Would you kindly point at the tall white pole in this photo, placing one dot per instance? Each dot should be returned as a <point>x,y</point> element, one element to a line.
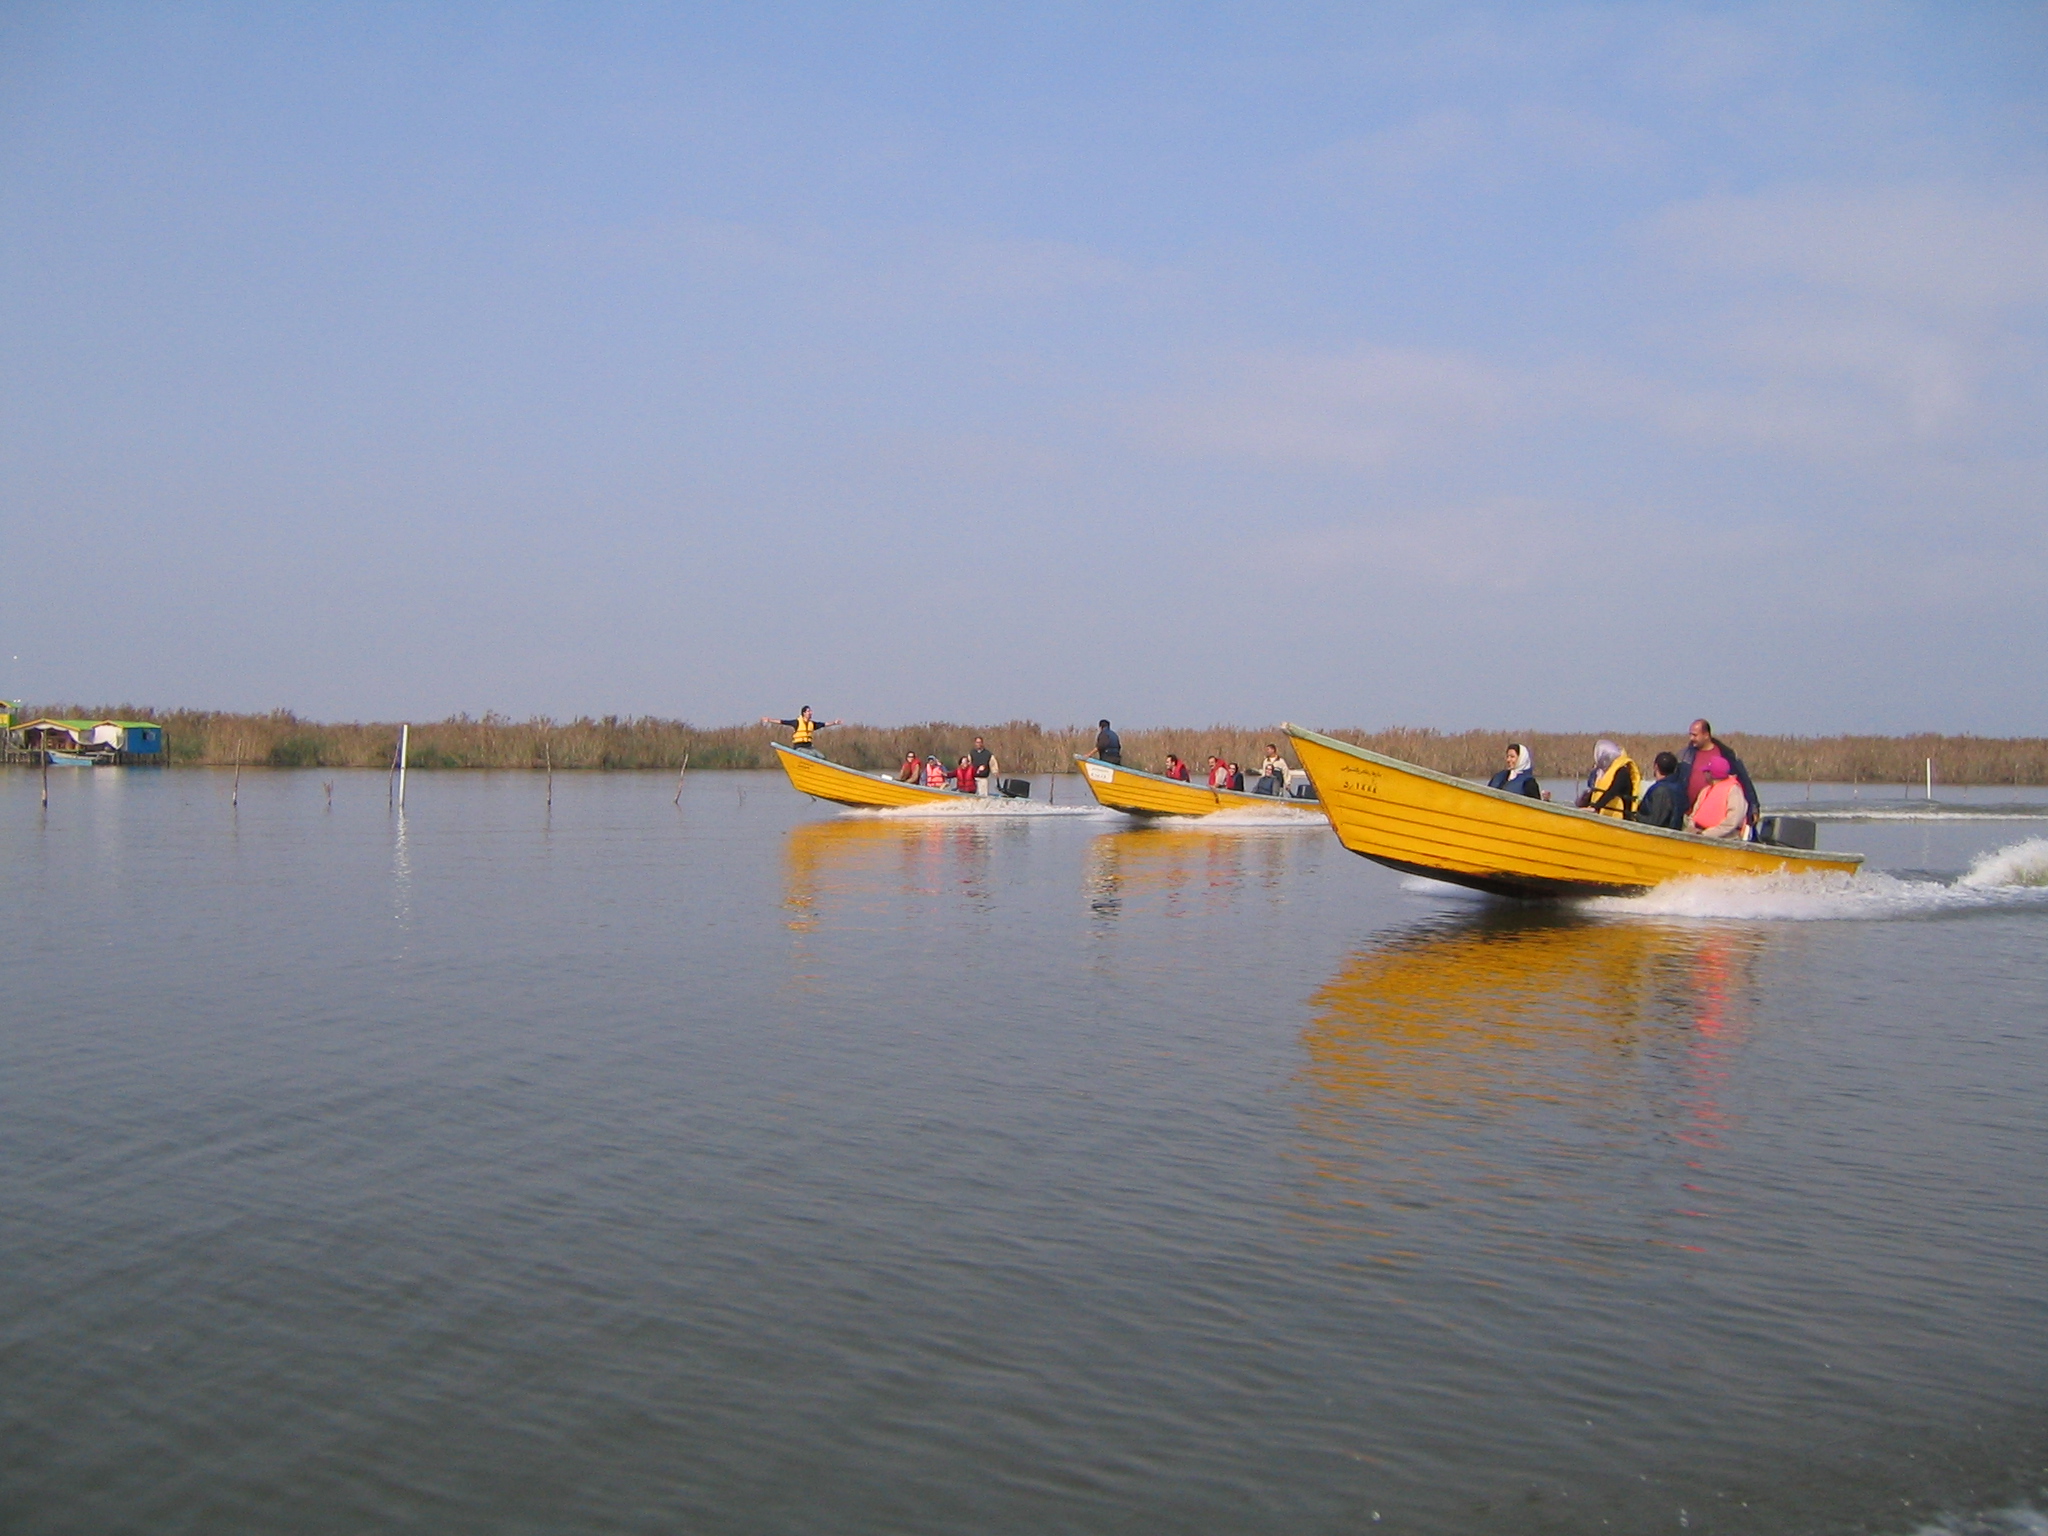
<point>1930,778</point>
<point>404,735</point>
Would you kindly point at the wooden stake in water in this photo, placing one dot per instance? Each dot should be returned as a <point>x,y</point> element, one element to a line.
<point>46,776</point>
<point>1930,778</point>
<point>679,779</point>
<point>235,799</point>
<point>547,749</point>
<point>404,739</point>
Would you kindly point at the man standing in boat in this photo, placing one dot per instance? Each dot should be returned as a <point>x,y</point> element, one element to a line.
<point>1700,744</point>
<point>984,764</point>
<point>803,729</point>
<point>1108,745</point>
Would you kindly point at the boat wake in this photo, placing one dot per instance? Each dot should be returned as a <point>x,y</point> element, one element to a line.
<point>954,810</point>
<point>1284,817</point>
<point>2012,877</point>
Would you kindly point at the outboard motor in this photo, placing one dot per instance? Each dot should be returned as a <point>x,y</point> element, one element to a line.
<point>1014,789</point>
<point>1788,832</point>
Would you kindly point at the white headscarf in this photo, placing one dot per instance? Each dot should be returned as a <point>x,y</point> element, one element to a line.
<point>1524,761</point>
<point>1604,752</point>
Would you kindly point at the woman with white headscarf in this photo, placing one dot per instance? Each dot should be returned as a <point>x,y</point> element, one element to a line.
<point>1612,785</point>
<point>1518,777</point>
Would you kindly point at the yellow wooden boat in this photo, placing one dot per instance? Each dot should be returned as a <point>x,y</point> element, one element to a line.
<point>853,786</point>
<point>1154,794</point>
<point>1428,823</point>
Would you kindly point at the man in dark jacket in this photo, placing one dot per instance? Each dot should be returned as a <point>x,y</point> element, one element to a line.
<point>1108,745</point>
<point>1663,803</point>
<point>1701,742</point>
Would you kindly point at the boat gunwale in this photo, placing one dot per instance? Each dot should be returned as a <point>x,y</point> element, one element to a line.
<point>1851,861</point>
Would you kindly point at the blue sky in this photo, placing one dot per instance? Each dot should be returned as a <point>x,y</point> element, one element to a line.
<point>1570,367</point>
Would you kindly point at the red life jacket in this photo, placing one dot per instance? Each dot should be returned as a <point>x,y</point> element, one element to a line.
<point>935,775</point>
<point>966,779</point>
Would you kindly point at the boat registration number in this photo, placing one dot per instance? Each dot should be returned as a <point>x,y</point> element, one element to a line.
<point>1101,773</point>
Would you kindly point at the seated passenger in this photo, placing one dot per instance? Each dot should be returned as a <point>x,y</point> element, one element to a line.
<point>963,776</point>
<point>1272,773</point>
<point>1663,803</point>
<point>1236,779</point>
<point>1176,769</point>
<point>1722,809</point>
<point>911,768</point>
<point>1518,776</point>
<point>1611,786</point>
<point>934,773</point>
<point>1219,777</point>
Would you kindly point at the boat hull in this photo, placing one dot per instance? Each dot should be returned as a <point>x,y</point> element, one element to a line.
<point>851,786</point>
<point>1427,823</point>
<point>1153,794</point>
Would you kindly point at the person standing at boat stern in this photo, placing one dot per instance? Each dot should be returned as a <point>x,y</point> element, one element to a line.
<point>1611,786</point>
<point>1272,772</point>
<point>985,766</point>
<point>803,730</point>
<point>1700,744</point>
<point>1108,745</point>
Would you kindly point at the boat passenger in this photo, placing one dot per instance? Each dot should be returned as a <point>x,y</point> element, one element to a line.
<point>1176,769</point>
<point>1663,803</point>
<point>1701,741</point>
<point>1722,810</point>
<point>1108,745</point>
<point>985,766</point>
<point>1219,776</point>
<point>803,729</point>
<point>1272,772</point>
<point>1236,779</point>
<point>963,775</point>
<point>1611,786</point>
<point>934,773</point>
<point>1518,776</point>
<point>912,768</point>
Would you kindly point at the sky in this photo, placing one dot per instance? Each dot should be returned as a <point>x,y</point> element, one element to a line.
<point>1563,367</point>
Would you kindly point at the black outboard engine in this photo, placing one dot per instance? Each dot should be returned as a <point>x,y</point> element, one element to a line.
<point>1014,789</point>
<point>1788,832</point>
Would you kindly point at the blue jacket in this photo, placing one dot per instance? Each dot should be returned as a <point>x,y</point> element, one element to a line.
<point>1520,784</point>
<point>1663,804</point>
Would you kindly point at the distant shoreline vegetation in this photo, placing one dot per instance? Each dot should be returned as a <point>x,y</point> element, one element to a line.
<point>281,739</point>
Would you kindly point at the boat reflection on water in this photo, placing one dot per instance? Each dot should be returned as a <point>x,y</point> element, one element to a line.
<point>876,869</point>
<point>1557,1081</point>
<point>1182,872</point>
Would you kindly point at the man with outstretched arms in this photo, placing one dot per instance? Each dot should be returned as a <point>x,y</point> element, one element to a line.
<point>803,729</point>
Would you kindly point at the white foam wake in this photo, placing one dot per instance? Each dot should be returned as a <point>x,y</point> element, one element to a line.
<point>2011,877</point>
<point>993,805</point>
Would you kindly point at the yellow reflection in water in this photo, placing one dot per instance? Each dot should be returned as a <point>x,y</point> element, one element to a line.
<point>1515,1063</point>
<point>872,868</point>
<point>1182,872</point>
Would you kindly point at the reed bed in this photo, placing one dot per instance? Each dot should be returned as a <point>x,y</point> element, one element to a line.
<point>281,739</point>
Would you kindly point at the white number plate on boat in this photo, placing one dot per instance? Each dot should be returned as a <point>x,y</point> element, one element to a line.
<point>1101,773</point>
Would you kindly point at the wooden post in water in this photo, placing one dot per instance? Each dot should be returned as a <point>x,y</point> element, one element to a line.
<point>235,799</point>
<point>548,754</point>
<point>46,773</point>
<point>1930,779</point>
<point>679,780</point>
<point>404,739</point>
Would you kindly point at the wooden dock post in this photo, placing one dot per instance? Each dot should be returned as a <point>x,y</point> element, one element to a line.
<point>679,780</point>
<point>404,740</point>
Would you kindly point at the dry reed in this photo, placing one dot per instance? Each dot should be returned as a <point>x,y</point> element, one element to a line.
<point>280,739</point>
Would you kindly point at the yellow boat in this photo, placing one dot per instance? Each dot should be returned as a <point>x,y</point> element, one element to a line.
<point>1428,823</point>
<point>852,786</point>
<point>1154,794</point>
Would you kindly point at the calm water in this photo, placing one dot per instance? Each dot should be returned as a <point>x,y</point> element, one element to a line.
<point>749,1167</point>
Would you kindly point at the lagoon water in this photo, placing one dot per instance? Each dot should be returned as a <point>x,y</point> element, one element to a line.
<point>748,1166</point>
